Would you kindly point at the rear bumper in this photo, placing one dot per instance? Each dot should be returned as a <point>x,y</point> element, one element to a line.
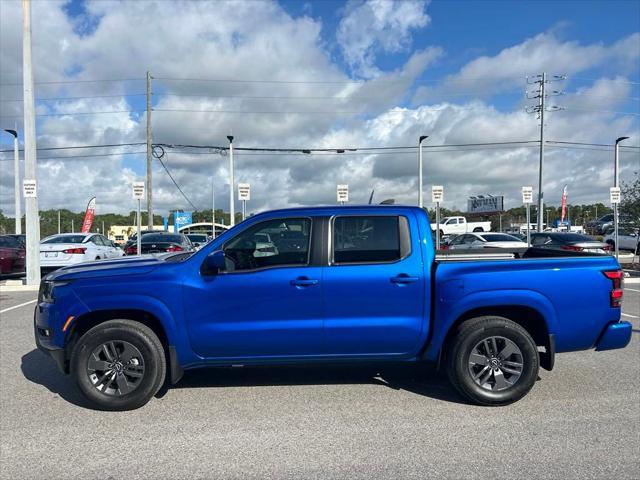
<point>615,335</point>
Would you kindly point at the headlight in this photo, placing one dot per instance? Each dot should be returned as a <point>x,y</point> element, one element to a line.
<point>47,290</point>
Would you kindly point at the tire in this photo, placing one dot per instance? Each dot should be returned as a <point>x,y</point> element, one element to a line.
<point>494,391</point>
<point>478,229</point>
<point>119,365</point>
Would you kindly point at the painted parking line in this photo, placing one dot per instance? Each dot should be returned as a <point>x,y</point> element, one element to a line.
<point>631,289</point>
<point>18,306</point>
<point>629,315</point>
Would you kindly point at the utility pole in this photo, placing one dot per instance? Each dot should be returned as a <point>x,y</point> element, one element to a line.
<point>213,204</point>
<point>420,180</point>
<point>149,156</point>
<point>232,212</point>
<point>58,222</point>
<point>31,202</point>
<point>616,176</point>
<point>16,179</point>
<point>541,94</point>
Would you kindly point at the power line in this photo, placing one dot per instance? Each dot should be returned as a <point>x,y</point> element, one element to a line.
<point>82,156</point>
<point>73,147</point>
<point>71,114</point>
<point>81,97</point>
<point>159,157</point>
<point>603,111</point>
<point>62,82</point>
<point>609,79</point>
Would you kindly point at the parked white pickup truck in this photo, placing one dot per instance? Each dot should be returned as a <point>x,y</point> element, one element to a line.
<point>459,225</point>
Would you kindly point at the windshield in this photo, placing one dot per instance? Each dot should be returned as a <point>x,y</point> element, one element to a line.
<point>197,238</point>
<point>65,239</point>
<point>499,237</point>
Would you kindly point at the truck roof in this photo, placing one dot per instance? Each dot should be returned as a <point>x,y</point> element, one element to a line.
<point>331,209</point>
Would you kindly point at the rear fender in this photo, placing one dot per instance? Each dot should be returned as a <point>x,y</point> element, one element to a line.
<point>447,313</point>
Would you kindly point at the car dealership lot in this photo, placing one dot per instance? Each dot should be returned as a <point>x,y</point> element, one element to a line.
<point>579,421</point>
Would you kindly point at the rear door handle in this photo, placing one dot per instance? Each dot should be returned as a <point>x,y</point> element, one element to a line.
<point>403,279</point>
<point>304,282</point>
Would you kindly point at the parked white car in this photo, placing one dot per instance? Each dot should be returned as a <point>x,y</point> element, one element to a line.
<point>628,239</point>
<point>459,225</point>
<point>485,240</point>
<point>70,248</point>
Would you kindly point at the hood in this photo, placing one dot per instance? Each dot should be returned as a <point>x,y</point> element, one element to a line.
<point>109,268</point>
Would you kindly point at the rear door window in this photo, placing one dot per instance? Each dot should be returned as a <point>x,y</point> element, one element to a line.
<point>370,239</point>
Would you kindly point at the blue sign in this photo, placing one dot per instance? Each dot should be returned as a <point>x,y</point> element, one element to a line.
<point>180,219</point>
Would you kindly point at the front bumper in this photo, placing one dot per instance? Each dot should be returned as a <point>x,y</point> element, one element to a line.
<point>42,335</point>
<point>615,335</point>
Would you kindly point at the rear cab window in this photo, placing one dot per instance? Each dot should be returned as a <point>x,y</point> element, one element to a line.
<point>369,239</point>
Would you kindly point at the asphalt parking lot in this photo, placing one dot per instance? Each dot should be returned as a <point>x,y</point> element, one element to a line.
<point>580,421</point>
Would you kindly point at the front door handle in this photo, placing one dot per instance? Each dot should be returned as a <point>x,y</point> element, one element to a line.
<point>302,282</point>
<point>403,279</point>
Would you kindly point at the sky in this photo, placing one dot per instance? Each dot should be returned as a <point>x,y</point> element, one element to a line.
<point>323,74</point>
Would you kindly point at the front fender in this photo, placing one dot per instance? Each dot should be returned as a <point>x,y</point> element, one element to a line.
<point>448,312</point>
<point>151,305</point>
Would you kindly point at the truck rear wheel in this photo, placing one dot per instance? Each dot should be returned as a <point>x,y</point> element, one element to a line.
<point>478,229</point>
<point>492,361</point>
<point>119,365</point>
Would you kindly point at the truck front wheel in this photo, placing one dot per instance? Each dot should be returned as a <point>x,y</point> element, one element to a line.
<point>492,361</point>
<point>119,365</point>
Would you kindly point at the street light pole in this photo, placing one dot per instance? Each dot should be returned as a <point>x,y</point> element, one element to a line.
<point>420,193</point>
<point>30,169</point>
<point>232,212</point>
<point>16,180</point>
<point>616,173</point>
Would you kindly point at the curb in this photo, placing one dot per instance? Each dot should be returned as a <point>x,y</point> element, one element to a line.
<point>18,288</point>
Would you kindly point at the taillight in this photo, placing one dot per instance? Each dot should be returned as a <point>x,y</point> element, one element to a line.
<point>175,248</point>
<point>616,277</point>
<point>78,251</point>
<point>131,250</point>
<point>571,248</point>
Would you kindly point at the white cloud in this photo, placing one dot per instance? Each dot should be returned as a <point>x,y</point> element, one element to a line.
<point>371,27</point>
<point>259,40</point>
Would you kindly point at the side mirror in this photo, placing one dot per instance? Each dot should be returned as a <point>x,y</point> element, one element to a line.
<point>214,263</point>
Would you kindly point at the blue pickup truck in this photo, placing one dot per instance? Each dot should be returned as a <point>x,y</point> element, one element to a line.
<point>327,284</point>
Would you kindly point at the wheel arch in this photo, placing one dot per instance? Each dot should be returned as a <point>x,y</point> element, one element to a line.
<point>529,318</point>
<point>89,320</point>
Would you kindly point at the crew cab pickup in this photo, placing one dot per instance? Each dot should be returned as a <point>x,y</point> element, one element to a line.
<point>341,284</point>
<point>459,225</point>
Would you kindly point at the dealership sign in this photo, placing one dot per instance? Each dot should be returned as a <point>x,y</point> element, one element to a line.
<point>181,219</point>
<point>485,204</point>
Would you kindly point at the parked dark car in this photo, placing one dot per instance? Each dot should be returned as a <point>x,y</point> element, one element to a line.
<point>12,255</point>
<point>161,243</point>
<point>134,238</point>
<point>21,238</point>
<point>602,225</point>
<point>568,241</point>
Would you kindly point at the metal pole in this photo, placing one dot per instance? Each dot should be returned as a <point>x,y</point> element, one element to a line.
<point>103,230</point>
<point>528,224</point>
<point>500,221</point>
<point>540,192</point>
<point>139,234</point>
<point>16,179</point>
<point>72,227</point>
<point>616,173</point>
<point>213,206</point>
<point>30,169</point>
<point>149,156</point>
<point>58,221</point>
<point>420,181</point>
<point>437,225</point>
<point>232,210</point>
<point>244,209</point>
